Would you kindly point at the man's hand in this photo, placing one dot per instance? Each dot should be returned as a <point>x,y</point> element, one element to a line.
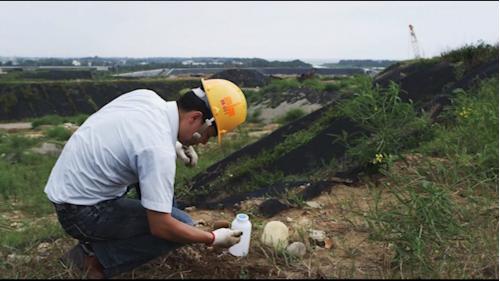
<point>187,154</point>
<point>225,237</point>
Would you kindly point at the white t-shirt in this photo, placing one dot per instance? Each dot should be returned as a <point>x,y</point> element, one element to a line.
<point>131,139</point>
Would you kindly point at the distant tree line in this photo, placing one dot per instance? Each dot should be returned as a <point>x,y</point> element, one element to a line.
<point>130,64</point>
<point>362,63</point>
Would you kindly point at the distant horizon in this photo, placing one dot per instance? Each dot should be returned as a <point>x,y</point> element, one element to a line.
<point>332,60</point>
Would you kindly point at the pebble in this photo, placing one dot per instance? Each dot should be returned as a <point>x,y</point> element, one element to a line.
<point>318,237</point>
<point>328,243</point>
<point>296,249</point>
<point>275,234</point>
<point>221,224</point>
<point>313,204</point>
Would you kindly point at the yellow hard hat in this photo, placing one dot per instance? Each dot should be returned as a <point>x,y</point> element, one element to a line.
<point>227,103</point>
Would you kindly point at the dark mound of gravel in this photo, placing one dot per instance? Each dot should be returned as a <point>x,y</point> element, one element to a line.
<point>243,77</point>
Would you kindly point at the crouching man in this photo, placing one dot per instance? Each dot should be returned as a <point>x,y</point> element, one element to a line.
<point>136,138</point>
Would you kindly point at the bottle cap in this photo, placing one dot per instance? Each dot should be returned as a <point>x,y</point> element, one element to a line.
<point>242,217</point>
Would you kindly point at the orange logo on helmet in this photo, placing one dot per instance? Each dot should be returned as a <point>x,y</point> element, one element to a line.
<point>228,106</point>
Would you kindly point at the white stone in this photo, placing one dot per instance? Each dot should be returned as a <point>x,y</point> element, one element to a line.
<point>296,249</point>
<point>317,235</point>
<point>48,148</point>
<point>43,247</point>
<point>313,204</point>
<point>70,126</point>
<point>13,258</point>
<point>275,234</point>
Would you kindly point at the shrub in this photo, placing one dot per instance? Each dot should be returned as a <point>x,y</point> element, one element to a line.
<point>472,54</point>
<point>392,125</point>
<point>255,116</point>
<point>46,120</point>
<point>315,84</point>
<point>470,136</point>
<point>331,87</point>
<point>418,225</point>
<point>59,133</point>
<point>278,86</point>
<point>13,147</point>
<point>291,115</point>
<point>57,120</point>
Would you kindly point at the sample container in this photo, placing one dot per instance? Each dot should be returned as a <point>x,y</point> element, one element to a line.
<point>241,222</point>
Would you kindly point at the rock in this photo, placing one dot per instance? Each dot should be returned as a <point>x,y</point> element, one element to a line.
<point>200,222</point>
<point>271,207</point>
<point>190,209</point>
<point>296,249</point>
<point>318,237</point>
<point>13,259</point>
<point>16,224</point>
<point>48,149</point>
<point>313,204</point>
<point>328,243</point>
<point>43,248</point>
<point>289,219</point>
<point>275,234</point>
<point>221,224</point>
<point>71,127</point>
<point>304,222</point>
<point>243,77</point>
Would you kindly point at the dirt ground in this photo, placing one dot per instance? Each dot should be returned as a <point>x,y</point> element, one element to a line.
<point>340,215</point>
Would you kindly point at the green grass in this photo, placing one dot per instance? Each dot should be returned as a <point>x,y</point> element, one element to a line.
<point>443,222</point>
<point>470,133</point>
<point>422,221</point>
<point>32,231</point>
<point>391,124</point>
<point>291,115</point>
<point>58,133</point>
<point>472,54</point>
<point>58,120</point>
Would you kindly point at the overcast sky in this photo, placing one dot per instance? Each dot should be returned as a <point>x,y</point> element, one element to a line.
<point>271,30</point>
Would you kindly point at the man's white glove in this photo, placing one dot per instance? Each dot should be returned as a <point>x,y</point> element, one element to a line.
<point>187,154</point>
<point>225,237</point>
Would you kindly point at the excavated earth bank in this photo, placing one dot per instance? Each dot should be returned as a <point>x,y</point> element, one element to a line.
<point>428,85</point>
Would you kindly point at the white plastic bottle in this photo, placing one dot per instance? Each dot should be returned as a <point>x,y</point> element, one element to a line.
<point>241,222</point>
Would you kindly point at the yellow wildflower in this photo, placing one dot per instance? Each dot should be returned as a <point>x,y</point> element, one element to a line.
<point>465,112</point>
<point>378,158</point>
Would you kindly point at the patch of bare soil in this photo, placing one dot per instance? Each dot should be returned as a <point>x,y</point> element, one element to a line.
<point>14,127</point>
<point>338,212</point>
<point>340,216</point>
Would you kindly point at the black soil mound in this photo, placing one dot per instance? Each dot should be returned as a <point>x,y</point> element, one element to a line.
<point>425,81</point>
<point>243,77</point>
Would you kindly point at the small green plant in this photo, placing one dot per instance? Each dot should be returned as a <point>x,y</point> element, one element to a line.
<point>469,137</point>
<point>58,133</point>
<point>391,125</point>
<point>58,120</point>
<point>13,148</point>
<point>291,115</point>
<point>279,86</point>
<point>315,84</point>
<point>472,54</point>
<point>294,198</point>
<point>421,222</point>
<point>255,117</point>
<point>253,96</point>
<point>331,87</point>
